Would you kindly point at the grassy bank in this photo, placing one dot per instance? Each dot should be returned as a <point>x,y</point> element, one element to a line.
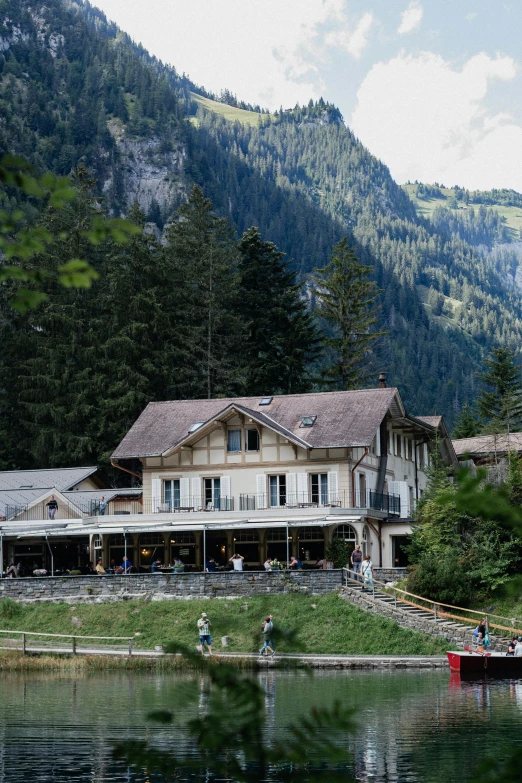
<point>322,624</point>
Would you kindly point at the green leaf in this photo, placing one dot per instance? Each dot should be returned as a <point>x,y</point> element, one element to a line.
<point>77,273</point>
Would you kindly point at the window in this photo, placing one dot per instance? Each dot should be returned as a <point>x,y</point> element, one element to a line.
<point>346,533</point>
<point>196,426</point>
<point>319,488</point>
<point>399,444</point>
<point>183,538</point>
<point>97,542</point>
<point>266,400</point>
<point>307,421</point>
<point>410,450</point>
<point>151,539</point>
<point>311,534</point>
<point>234,440</point>
<point>277,534</point>
<point>277,490</point>
<point>212,492</point>
<point>252,440</point>
<point>172,494</point>
<point>251,536</point>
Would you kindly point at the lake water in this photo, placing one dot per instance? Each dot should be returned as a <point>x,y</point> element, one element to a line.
<point>411,725</point>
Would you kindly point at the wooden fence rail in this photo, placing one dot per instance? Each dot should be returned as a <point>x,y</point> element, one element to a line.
<point>74,639</point>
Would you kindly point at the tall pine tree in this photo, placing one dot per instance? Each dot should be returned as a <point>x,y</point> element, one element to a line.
<point>201,247</point>
<point>282,339</point>
<point>346,303</point>
<point>500,402</point>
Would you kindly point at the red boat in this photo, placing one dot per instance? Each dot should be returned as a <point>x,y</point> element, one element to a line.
<point>494,664</point>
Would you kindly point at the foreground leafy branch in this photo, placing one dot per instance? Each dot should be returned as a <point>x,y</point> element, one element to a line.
<point>20,242</point>
<point>230,739</point>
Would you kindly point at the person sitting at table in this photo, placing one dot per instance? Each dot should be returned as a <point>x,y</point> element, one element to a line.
<point>100,570</point>
<point>295,564</point>
<point>126,565</point>
<point>210,565</point>
<point>155,566</point>
<point>178,566</point>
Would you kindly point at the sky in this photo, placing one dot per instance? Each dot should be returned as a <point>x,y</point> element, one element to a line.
<point>432,87</point>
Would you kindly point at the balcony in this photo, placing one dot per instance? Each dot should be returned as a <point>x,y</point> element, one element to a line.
<point>376,501</point>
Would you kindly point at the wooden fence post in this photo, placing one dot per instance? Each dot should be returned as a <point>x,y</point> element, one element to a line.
<point>130,647</point>
<point>74,645</point>
<point>23,644</point>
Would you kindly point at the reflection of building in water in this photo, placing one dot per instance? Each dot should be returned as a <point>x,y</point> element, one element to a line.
<point>267,680</point>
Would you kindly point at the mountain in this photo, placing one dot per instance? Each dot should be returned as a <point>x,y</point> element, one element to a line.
<point>75,89</point>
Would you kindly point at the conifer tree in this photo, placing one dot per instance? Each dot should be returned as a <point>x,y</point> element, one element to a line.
<point>346,302</point>
<point>201,247</point>
<point>467,424</point>
<point>500,402</point>
<point>514,479</point>
<point>281,338</point>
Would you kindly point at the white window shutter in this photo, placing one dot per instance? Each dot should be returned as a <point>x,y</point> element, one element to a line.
<point>291,489</point>
<point>184,492</point>
<point>224,484</point>
<point>333,487</point>
<point>261,491</point>
<point>378,443</point>
<point>302,487</point>
<point>156,495</point>
<point>426,460</point>
<point>196,493</point>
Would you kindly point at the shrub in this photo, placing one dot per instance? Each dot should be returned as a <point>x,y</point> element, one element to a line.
<point>339,551</point>
<point>444,578</point>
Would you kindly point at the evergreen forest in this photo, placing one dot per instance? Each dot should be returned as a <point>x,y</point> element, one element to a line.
<point>234,218</point>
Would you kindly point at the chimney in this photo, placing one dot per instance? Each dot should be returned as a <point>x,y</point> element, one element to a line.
<point>382,380</point>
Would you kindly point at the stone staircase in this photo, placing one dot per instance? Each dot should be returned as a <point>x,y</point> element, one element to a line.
<point>414,617</point>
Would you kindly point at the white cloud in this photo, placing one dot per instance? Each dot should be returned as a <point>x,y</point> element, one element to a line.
<point>429,121</point>
<point>410,18</point>
<point>267,52</point>
<point>353,42</point>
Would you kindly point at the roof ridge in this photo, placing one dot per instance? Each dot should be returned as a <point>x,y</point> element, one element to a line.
<point>275,396</point>
<point>41,470</point>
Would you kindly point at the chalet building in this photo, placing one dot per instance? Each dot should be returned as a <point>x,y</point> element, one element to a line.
<point>489,452</point>
<point>280,476</point>
<point>270,476</point>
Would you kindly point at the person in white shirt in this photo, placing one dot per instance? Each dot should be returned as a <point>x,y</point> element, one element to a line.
<point>268,564</point>
<point>518,647</point>
<point>237,561</point>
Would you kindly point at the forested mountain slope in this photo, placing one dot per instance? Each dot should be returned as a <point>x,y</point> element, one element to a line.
<point>74,89</point>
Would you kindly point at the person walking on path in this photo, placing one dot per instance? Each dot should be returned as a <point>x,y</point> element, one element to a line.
<point>367,573</point>
<point>237,561</point>
<point>204,634</point>
<point>356,560</point>
<point>52,507</point>
<point>268,629</point>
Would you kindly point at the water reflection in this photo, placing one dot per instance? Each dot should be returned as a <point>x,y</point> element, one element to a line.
<point>411,726</point>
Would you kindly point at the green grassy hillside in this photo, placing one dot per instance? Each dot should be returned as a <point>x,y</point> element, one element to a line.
<point>445,197</point>
<point>230,113</point>
<point>325,624</point>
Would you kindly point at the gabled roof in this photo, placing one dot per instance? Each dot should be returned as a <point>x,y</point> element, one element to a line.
<point>82,500</point>
<point>59,478</point>
<point>344,418</point>
<point>488,444</point>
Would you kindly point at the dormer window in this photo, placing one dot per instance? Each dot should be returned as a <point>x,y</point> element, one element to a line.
<point>307,421</point>
<point>266,400</point>
<point>196,426</point>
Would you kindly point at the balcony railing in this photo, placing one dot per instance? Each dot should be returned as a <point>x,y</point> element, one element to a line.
<point>378,501</point>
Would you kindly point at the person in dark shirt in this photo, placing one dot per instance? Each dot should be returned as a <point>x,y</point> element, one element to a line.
<point>511,646</point>
<point>52,507</point>
<point>210,565</point>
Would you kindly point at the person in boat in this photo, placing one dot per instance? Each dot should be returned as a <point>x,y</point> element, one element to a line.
<point>511,646</point>
<point>518,647</point>
<point>480,643</point>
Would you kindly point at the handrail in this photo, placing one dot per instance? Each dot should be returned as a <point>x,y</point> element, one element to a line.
<point>71,636</point>
<point>512,620</point>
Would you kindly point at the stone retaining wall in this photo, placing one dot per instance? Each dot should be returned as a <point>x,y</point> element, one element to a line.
<point>456,637</point>
<point>158,587</point>
<point>390,574</point>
